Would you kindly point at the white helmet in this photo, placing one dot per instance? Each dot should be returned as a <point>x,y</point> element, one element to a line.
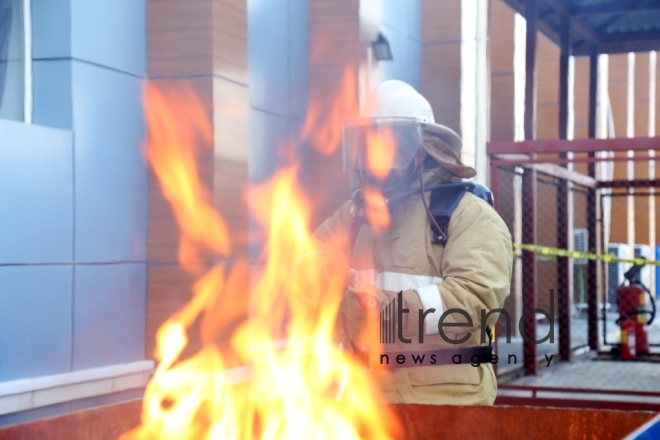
<point>394,98</point>
<point>400,116</point>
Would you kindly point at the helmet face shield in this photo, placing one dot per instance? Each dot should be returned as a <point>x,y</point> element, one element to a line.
<point>374,147</point>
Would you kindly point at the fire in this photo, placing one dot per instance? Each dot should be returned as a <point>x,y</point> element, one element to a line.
<point>323,122</point>
<point>381,149</point>
<point>270,366</point>
<point>376,210</point>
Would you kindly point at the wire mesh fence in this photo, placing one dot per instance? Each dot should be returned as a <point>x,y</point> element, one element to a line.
<point>575,298</point>
<point>571,294</point>
<point>630,233</point>
<point>549,212</point>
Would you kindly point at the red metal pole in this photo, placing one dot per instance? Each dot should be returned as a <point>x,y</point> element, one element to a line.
<point>564,219</point>
<point>592,213</point>
<point>529,191</point>
<point>529,184</point>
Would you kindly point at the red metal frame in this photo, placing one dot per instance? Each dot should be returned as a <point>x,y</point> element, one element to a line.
<point>560,147</point>
<point>560,160</point>
<point>529,188</point>
<point>535,400</point>
<point>624,184</point>
<point>536,389</point>
<point>575,145</point>
<point>577,403</point>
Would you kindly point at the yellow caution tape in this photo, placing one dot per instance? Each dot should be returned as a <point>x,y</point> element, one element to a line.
<point>556,252</point>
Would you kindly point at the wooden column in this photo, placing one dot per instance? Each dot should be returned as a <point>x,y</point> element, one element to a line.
<point>564,204</point>
<point>530,67</point>
<point>441,60</point>
<point>592,208</point>
<point>201,44</point>
<point>334,29</point>
<point>529,191</point>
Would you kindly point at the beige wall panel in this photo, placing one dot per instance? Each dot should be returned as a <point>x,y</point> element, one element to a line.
<point>657,104</point>
<point>179,37</point>
<point>642,97</point>
<point>231,120</point>
<point>618,90</point>
<point>441,82</point>
<point>168,290</point>
<point>547,121</point>
<point>547,92</point>
<point>333,10</point>
<point>581,106</point>
<point>203,44</point>
<point>501,71</point>
<point>501,37</point>
<point>441,20</point>
<point>334,46</point>
<point>581,97</point>
<point>231,179</point>
<point>501,112</point>
<point>641,130</point>
<point>230,59</point>
<point>441,60</point>
<point>162,231</point>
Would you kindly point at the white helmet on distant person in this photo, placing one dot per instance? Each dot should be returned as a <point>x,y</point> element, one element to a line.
<point>400,118</point>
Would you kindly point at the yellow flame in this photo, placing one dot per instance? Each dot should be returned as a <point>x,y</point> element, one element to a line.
<point>381,149</point>
<point>323,122</point>
<point>277,373</point>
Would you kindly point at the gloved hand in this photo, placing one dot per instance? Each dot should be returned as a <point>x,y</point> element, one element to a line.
<point>318,268</point>
<point>358,303</point>
<point>357,306</point>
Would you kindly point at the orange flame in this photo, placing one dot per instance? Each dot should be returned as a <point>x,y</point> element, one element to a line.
<point>323,123</point>
<point>376,210</point>
<point>202,227</point>
<point>278,373</point>
<point>322,128</point>
<point>381,149</point>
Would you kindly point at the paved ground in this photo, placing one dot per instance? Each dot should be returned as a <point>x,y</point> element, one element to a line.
<point>578,339</point>
<point>599,375</point>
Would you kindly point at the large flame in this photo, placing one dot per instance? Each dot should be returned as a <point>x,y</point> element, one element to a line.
<point>269,366</point>
<point>323,122</point>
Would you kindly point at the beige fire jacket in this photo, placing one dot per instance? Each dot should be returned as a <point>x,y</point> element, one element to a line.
<point>471,272</point>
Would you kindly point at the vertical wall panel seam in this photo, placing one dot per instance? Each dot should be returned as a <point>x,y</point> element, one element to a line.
<point>73,237</point>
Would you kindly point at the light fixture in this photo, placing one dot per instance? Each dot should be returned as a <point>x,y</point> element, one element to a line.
<point>382,50</point>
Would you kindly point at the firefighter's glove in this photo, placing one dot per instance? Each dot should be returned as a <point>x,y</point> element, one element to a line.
<point>357,303</point>
<point>315,269</point>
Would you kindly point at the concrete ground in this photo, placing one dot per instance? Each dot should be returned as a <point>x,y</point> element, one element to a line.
<point>599,375</point>
<point>579,338</point>
<point>585,372</point>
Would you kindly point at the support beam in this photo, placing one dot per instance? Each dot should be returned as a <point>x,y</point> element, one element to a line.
<point>529,191</point>
<point>618,7</point>
<point>544,146</point>
<point>543,27</point>
<point>564,203</point>
<point>593,90</point>
<point>531,14</point>
<point>564,55</point>
<point>549,169</point>
<point>640,44</point>
<point>592,208</point>
<point>577,23</point>
<point>625,184</point>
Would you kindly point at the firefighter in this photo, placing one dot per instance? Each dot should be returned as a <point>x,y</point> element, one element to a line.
<point>462,263</point>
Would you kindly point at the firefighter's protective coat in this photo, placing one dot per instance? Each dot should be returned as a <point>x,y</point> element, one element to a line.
<point>472,272</point>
